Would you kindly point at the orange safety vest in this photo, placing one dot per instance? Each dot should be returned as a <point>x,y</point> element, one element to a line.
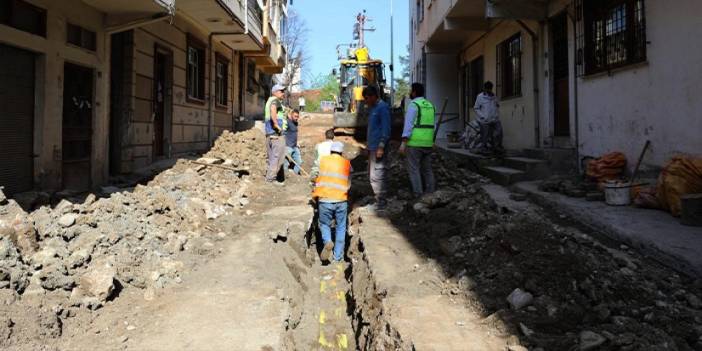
<point>333,179</point>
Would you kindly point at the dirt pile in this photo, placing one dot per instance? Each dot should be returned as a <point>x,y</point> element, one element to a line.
<point>542,277</point>
<point>57,262</point>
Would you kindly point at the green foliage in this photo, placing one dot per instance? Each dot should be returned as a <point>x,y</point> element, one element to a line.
<point>329,90</point>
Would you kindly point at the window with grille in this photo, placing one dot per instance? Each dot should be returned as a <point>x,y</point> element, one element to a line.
<point>23,16</point>
<point>81,37</point>
<point>195,79</point>
<point>509,67</point>
<point>611,34</point>
<point>222,81</point>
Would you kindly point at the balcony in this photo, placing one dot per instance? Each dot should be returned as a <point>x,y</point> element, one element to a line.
<point>255,18</point>
<point>272,58</point>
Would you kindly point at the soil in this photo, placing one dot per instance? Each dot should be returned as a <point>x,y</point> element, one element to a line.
<point>211,257</point>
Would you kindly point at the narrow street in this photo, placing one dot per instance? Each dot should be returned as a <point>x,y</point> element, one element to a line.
<point>432,275</point>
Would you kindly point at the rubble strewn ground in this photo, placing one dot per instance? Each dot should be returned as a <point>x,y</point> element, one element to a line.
<point>534,277</point>
<point>58,262</point>
<point>537,275</point>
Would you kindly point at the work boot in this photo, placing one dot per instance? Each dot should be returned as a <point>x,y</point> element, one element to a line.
<point>327,251</point>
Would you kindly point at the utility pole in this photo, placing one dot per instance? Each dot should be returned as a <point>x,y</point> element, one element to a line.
<point>392,59</point>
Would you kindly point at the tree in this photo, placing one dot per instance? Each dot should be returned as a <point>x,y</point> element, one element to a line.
<point>294,39</point>
<point>402,84</point>
<point>328,88</point>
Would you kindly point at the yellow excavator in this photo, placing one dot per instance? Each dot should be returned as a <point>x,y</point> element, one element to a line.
<point>358,70</point>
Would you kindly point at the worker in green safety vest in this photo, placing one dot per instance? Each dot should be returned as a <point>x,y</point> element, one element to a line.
<point>418,141</point>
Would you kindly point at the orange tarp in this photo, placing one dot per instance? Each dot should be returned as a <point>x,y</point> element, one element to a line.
<point>682,175</point>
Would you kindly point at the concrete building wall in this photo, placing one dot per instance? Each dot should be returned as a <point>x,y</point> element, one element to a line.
<point>191,120</point>
<point>516,113</point>
<point>52,53</point>
<point>442,83</point>
<point>656,100</point>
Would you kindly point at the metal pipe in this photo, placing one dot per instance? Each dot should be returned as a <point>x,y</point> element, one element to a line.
<point>137,23</point>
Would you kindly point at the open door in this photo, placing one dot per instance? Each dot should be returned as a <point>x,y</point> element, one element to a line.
<point>77,127</point>
<point>561,81</point>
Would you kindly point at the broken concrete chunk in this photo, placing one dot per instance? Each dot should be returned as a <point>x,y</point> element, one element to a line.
<point>590,340</point>
<point>56,277</point>
<point>89,200</point>
<point>519,299</point>
<point>694,301</point>
<point>78,258</point>
<point>3,198</point>
<point>99,281</point>
<point>68,220</point>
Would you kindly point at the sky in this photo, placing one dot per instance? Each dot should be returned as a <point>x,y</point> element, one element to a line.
<point>330,22</point>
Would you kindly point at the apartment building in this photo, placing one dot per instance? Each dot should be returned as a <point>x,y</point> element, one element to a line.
<point>590,75</point>
<point>93,88</point>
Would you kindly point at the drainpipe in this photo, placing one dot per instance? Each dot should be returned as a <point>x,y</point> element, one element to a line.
<point>535,54</point>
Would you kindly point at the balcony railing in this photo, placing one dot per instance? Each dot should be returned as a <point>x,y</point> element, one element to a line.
<point>255,16</point>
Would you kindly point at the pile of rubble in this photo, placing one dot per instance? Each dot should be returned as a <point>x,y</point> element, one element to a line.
<point>536,275</point>
<point>78,256</point>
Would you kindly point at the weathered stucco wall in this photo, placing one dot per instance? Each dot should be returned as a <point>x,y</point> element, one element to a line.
<point>659,100</point>
<point>190,119</point>
<point>52,53</point>
<point>442,82</point>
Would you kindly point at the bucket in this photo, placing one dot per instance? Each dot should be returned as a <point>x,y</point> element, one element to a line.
<point>617,194</point>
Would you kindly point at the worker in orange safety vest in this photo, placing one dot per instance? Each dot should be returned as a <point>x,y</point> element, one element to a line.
<point>331,192</point>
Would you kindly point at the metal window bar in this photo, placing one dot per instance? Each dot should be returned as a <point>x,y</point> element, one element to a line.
<point>509,67</point>
<point>222,79</point>
<point>193,74</point>
<point>609,35</point>
<point>256,14</point>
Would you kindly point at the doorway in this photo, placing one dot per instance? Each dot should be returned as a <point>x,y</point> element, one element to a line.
<point>561,77</point>
<point>77,127</point>
<point>162,106</point>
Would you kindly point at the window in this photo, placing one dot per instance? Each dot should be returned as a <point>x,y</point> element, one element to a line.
<point>420,12</point>
<point>195,79</point>
<point>222,81</point>
<point>509,67</point>
<point>23,16</point>
<point>251,81</point>
<point>81,37</point>
<point>611,34</point>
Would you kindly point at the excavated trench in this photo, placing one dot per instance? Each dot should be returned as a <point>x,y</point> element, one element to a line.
<point>334,306</point>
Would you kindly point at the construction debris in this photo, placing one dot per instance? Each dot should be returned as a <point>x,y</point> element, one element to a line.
<point>569,290</point>
<point>80,255</point>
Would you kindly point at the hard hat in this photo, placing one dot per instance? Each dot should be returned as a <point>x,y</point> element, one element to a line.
<point>277,87</point>
<point>337,146</point>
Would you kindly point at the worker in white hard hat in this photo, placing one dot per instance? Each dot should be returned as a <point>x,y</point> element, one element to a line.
<point>331,192</point>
